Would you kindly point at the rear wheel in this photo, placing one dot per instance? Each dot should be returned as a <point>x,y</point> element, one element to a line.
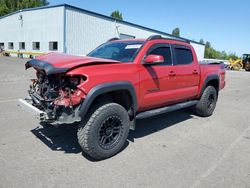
<point>205,107</point>
<point>105,132</point>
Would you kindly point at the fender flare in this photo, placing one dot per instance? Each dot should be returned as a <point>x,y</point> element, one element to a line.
<point>208,79</point>
<point>106,88</point>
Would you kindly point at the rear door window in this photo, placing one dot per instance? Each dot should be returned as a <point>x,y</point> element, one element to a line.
<point>183,56</point>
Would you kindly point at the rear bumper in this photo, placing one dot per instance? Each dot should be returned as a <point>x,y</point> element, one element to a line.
<point>28,107</point>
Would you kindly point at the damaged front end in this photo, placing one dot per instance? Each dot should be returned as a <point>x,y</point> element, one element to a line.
<point>57,96</point>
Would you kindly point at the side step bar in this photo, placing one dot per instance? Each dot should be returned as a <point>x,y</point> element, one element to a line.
<point>166,109</point>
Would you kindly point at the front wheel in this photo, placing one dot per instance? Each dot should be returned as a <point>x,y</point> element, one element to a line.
<point>205,107</point>
<point>105,132</point>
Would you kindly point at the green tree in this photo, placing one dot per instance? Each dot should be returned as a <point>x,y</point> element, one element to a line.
<point>223,55</point>
<point>176,32</point>
<point>8,6</point>
<point>232,56</point>
<point>117,15</point>
<point>207,45</point>
<point>211,53</point>
<point>202,41</point>
<point>4,9</point>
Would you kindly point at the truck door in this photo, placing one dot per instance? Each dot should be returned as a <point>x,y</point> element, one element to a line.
<point>187,72</point>
<point>157,80</point>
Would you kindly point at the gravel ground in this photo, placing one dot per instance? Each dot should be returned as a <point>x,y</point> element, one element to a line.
<point>177,149</point>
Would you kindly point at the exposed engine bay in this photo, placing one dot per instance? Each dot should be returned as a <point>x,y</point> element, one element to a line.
<point>57,94</point>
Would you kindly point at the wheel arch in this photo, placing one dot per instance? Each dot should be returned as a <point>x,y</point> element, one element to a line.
<point>211,80</point>
<point>108,91</point>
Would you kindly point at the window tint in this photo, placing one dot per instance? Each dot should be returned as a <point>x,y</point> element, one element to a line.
<point>165,52</point>
<point>183,56</point>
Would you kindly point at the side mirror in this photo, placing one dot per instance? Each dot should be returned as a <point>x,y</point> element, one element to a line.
<point>154,59</point>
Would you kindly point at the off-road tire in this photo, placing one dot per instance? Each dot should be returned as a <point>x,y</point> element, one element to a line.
<point>206,105</point>
<point>89,131</point>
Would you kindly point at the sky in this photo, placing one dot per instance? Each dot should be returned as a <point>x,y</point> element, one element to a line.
<point>224,23</point>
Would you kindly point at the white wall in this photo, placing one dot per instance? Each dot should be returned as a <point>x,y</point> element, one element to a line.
<point>84,32</point>
<point>199,49</point>
<point>40,25</point>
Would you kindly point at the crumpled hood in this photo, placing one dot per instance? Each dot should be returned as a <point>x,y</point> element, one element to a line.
<point>54,63</point>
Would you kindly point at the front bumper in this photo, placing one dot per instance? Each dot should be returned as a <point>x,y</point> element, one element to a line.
<point>67,116</point>
<point>28,107</point>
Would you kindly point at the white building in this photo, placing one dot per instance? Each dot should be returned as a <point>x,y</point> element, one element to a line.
<point>68,29</point>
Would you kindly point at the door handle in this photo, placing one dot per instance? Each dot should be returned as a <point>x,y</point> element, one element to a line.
<point>171,73</point>
<point>195,72</point>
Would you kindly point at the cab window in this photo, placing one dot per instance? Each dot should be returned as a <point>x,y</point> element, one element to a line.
<point>183,56</point>
<point>163,51</point>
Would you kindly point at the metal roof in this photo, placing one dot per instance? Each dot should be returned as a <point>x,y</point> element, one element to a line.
<point>101,16</point>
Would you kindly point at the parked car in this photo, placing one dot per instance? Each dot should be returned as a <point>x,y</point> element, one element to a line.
<point>226,64</point>
<point>118,82</point>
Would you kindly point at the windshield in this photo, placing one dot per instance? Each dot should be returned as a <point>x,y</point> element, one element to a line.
<point>119,51</point>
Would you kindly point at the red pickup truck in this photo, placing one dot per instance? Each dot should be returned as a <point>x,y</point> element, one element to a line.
<point>118,82</point>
